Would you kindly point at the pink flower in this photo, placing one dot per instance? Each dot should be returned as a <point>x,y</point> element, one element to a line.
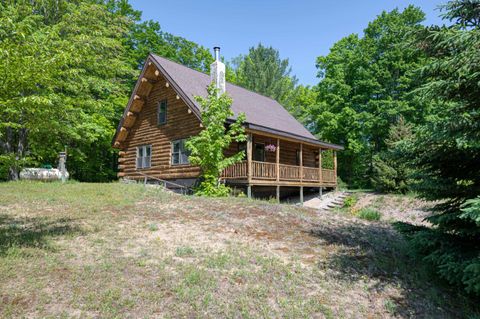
<point>270,148</point>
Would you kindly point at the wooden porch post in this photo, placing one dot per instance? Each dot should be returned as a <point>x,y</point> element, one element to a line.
<point>335,167</point>
<point>249,165</point>
<point>301,173</point>
<point>320,173</point>
<point>301,162</point>
<point>277,169</point>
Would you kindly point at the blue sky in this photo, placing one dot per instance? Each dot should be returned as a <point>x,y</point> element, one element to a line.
<point>301,30</point>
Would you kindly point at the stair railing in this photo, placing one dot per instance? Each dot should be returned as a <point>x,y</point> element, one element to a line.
<point>184,189</point>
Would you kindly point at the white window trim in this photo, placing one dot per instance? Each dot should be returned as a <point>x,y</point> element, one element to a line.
<point>179,153</point>
<point>146,161</point>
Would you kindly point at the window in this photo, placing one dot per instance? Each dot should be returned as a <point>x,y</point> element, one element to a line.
<point>297,158</point>
<point>144,156</point>
<point>259,152</point>
<point>162,112</point>
<point>179,153</point>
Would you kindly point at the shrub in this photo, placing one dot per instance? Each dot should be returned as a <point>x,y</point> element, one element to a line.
<point>207,148</point>
<point>340,183</point>
<point>369,214</point>
<point>350,201</point>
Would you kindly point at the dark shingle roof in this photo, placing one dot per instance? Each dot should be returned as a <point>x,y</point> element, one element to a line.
<point>262,113</point>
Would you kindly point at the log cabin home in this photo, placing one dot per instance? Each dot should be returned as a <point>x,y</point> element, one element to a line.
<point>162,113</point>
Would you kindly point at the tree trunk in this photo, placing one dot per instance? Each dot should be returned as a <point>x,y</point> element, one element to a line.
<point>22,143</point>
<point>8,148</point>
<point>9,140</point>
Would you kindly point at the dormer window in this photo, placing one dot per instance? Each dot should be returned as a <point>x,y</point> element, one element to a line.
<point>162,112</point>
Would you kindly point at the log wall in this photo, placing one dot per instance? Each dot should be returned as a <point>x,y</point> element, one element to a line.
<point>145,131</point>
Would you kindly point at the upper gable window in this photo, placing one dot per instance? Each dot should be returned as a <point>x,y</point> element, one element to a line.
<point>162,112</point>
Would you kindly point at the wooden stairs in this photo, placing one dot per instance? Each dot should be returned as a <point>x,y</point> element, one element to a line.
<point>328,201</point>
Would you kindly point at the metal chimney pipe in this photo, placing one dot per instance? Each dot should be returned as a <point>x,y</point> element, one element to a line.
<point>217,53</point>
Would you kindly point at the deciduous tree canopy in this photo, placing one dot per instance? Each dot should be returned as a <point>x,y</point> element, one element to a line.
<point>68,68</point>
<point>365,87</point>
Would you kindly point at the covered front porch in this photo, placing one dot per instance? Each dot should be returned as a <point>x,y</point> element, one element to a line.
<point>272,160</point>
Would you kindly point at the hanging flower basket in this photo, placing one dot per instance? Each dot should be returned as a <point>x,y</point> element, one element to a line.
<point>270,148</point>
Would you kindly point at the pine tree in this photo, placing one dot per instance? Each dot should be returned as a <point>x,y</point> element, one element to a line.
<point>446,149</point>
<point>391,172</point>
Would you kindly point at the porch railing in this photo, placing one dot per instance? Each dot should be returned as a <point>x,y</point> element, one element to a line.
<point>268,171</point>
<point>311,174</point>
<point>237,170</point>
<point>328,176</point>
<point>289,172</point>
<point>264,170</point>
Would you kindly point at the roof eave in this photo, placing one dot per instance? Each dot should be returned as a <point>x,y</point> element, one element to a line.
<point>181,93</point>
<point>294,136</point>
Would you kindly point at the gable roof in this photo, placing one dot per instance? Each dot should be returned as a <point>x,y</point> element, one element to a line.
<point>262,113</point>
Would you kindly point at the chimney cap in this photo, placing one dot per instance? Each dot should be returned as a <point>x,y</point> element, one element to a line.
<point>217,53</point>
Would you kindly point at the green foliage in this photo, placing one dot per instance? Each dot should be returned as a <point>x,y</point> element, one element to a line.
<point>62,85</point>
<point>146,37</point>
<point>446,149</point>
<point>327,159</point>
<point>369,214</point>
<point>471,210</point>
<point>67,70</point>
<point>263,71</point>
<point>391,172</point>
<point>350,201</point>
<point>207,148</point>
<point>300,100</point>
<point>365,86</point>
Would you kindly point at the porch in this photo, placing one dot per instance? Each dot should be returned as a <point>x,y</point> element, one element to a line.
<point>266,173</point>
<point>277,161</point>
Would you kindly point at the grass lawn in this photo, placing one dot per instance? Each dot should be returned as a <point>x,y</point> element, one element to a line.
<point>115,250</point>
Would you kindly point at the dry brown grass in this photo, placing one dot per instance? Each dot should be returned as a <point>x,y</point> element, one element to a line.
<point>113,250</point>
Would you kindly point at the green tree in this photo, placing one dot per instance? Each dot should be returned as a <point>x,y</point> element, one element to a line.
<point>391,172</point>
<point>67,70</point>
<point>365,86</point>
<point>263,71</point>
<point>146,37</point>
<point>207,148</point>
<point>446,150</point>
<point>62,85</point>
<point>301,100</point>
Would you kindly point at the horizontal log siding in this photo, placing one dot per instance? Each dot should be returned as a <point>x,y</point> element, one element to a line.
<point>145,131</point>
<point>288,152</point>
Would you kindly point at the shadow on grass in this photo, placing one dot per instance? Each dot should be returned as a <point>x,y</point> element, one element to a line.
<point>378,252</point>
<point>32,232</point>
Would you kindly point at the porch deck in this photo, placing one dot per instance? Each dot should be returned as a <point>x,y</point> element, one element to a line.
<point>288,162</point>
<point>265,173</point>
